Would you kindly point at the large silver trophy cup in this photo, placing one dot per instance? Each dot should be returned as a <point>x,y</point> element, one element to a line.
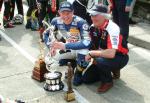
<point>53,78</point>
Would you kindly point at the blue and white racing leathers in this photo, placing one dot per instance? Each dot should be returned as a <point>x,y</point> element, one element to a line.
<point>76,36</point>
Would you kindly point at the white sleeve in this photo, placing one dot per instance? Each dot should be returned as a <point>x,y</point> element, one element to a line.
<point>113,32</point>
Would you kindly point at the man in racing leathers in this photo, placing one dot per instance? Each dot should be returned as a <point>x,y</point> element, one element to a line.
<point>76,39</point>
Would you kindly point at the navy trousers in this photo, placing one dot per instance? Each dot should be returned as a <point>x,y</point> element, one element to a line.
<point>102,70</point>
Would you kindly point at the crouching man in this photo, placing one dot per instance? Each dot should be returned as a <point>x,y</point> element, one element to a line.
<point>108,49</point>
<point>74,40</point>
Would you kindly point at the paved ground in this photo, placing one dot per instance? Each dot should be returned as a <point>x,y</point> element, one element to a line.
<point>140,35</point>
<point>16,70</point>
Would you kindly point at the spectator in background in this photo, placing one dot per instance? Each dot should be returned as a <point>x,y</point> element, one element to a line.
<point>49,8</point>
<point>6,18</point>
<point>120,11</point>
<point>82,6</point>
<point>32,7</point>
<point>19,7</point>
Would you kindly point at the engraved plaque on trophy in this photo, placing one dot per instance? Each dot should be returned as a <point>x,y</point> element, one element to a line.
<point>69,96</point>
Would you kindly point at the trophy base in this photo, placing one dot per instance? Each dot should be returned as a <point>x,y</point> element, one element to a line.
<point>39,71</point>
<point>70,96</point>
<point>37,75</point>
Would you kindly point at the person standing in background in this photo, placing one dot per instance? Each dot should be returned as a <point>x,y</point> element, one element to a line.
<point>32,6</point>
<point>120,12</point>
<point>49,8</point>
<point>6,18</point>
<point>19,7</point>
<point>83,6</point>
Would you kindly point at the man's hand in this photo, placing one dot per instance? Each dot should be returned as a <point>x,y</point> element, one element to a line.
<point>58,45</point>
<point>127,8</point>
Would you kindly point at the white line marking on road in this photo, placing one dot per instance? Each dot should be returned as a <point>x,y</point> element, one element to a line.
<point>79,97</point>
<point>15,45</point>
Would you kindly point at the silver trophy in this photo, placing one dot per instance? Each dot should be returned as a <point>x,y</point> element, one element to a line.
<point>53,81</point>
<point>53,78</point>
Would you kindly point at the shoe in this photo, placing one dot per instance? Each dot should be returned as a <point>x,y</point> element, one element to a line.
<point>9,25</point>
<point>132,22</point>
<point>105,87</point>
<point>116,74</point>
